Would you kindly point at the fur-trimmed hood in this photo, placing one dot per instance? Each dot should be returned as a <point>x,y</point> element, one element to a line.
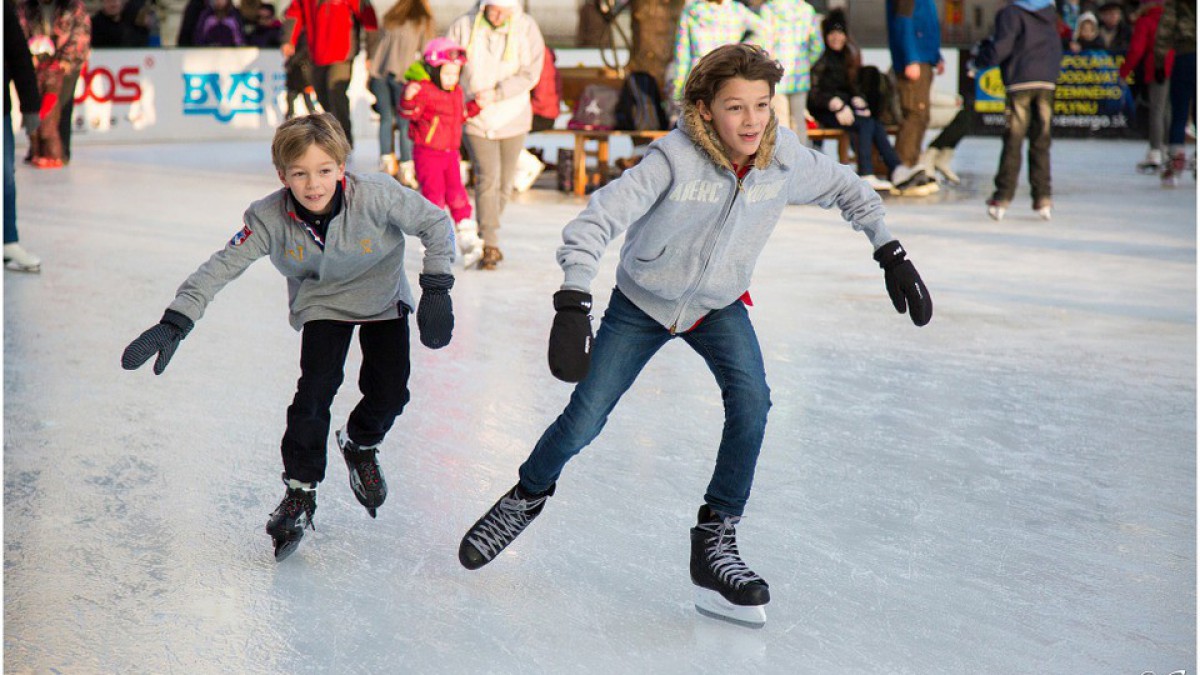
<point>705,137</point>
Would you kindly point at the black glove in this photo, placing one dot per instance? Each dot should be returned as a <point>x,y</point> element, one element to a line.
<point>435,313</point>
<point>162,339</point>
<point>570,352</point>
<point>904,285</point>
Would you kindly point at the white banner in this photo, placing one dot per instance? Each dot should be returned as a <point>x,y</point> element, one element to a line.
<point>182,95</point>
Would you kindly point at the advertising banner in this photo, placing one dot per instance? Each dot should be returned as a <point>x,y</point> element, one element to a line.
<point>1091,99</point>
<point>180,95</point>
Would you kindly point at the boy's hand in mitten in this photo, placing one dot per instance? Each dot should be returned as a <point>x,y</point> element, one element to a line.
<point>904,285</point>
<point>435,313</point>
<point>162,339</point>
<point>570,353</point>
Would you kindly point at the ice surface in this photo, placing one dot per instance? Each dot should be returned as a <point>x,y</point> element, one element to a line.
<point>1011,489</point>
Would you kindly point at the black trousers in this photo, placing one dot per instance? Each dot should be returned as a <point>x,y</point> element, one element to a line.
<point>383,381</point>
<point>331,83</point>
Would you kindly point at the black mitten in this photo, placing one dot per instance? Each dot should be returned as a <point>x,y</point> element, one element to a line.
<point>571,336</point>
<point>435,312</point>
<point>162,339</point>
<point>904,285</point>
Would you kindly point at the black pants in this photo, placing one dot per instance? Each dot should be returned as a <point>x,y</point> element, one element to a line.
<point>331,83</point>
<point>383,381</point>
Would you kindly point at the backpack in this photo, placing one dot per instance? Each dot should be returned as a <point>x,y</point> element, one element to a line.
<point>640,107</point>
<point>880,91</point>
<point>596,109</point>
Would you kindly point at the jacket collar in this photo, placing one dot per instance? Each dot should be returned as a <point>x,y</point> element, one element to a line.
<point>705,137</point>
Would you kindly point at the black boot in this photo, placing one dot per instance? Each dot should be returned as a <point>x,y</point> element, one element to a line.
<point>366,480</point>
<point>288,520</point>
<point>725,587</point>
<point>500,526</point>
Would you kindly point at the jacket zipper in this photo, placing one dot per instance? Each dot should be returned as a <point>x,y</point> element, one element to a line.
<point>432,128</point>
<point>711,246</point>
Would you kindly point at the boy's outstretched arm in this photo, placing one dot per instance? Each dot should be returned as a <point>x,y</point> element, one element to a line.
<point>247,245</point>
<point>828,183</point>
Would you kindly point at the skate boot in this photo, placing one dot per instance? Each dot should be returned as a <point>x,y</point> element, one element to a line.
<point>725,587</point>
<point>996,209</point>
<point>16,258</point>
<point>941,162</point>
<point>389,164</point>
<point>1152,164</point>
<point>406,173</point>
<point>1173,173</point>
<point>288,520</point>
<point>491,258</point>
<point>500,525</point>
<point>366,480</point>
<point>905,177</point>
<point>1042,208</point>
<point>469,243</point>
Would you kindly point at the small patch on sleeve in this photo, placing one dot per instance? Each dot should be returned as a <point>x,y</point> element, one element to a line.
<point>241,237</point>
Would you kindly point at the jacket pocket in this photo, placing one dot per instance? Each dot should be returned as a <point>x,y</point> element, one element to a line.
<point>665,272</point>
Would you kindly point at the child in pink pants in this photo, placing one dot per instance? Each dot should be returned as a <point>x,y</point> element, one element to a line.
<point>435,106</point>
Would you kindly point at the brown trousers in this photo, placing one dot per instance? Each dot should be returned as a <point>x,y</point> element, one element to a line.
<point>914,108</point>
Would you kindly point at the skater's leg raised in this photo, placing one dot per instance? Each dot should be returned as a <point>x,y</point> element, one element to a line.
<point>323,347</point>
<point>728,344</point>
<point>625,342</point>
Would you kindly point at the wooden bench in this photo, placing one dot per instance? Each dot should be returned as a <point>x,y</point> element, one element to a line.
<point>600,139</point>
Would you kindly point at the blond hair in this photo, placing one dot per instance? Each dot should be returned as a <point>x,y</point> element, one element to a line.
<point>293,138</point>
<point>749,62</point>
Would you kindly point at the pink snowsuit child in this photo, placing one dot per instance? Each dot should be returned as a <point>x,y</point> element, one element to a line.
<point>435,105</point>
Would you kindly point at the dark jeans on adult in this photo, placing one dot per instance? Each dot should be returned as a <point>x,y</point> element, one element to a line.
<point>625,342</point>
<point>914,109</point>
<point>10,183</point>
<point>388,94</point>
<point>331,83</point>
<point>66,120</point>
<point>382,379</point>
<point>1183,94</point>
<point>495,164</point>
<point>1027,114</point>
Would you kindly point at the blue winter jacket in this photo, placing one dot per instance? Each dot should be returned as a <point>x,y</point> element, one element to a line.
<point>695,230</point>
<point>1026,46</point>
<point>914,35</point>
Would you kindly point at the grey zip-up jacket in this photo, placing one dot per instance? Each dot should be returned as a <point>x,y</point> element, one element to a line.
<point>694,230</point>
<point>356,274</point>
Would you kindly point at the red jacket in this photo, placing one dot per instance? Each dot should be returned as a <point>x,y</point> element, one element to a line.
<point>328,25</point>
<point>437,116</point>
<point>1141,47</point>
<point>545,96</point>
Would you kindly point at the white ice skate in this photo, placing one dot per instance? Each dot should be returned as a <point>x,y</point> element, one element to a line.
<point>389,164</point>
<point>16,258</point>
<point>529,167</point>
<point>469,243</point>
<point>996,209</point>
<point>406,173</point>
<point>878,184</point>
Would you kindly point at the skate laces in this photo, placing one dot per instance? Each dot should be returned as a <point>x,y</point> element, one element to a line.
<point>366,467</point>
<point>503,523</point>
<point>297,500</point>
<point>722,553</point>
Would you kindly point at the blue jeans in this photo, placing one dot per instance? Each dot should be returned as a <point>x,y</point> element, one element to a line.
<point>1183,94</point>
<point>624,344</point>
<point>10,184</point>
<point>388,93</point>
<point>872,133</point>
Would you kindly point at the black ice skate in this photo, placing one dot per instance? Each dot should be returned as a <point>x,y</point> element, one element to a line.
<point>499,526</point>
<point>365,477</point>
<point>725,587</point>
<point>294,513</point>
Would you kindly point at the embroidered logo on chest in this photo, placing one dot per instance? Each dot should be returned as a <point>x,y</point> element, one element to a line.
<point>764,191</point>
<point>697,191</point>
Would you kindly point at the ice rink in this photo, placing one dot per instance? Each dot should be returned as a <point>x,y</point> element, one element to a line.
<point>1011,489</point>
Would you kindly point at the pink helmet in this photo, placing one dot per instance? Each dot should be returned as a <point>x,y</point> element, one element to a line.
<point>443,50</point>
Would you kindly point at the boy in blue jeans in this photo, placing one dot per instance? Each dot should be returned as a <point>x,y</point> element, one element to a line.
<point>696,212</point>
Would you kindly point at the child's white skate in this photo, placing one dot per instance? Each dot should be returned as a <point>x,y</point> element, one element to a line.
<point>469,243</point>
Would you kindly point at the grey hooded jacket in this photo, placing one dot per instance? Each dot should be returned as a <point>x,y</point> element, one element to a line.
<point>694,230</point>
<point>358,275</point>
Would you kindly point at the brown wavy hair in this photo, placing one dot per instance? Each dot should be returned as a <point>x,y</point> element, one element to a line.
<point>749,62</point>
